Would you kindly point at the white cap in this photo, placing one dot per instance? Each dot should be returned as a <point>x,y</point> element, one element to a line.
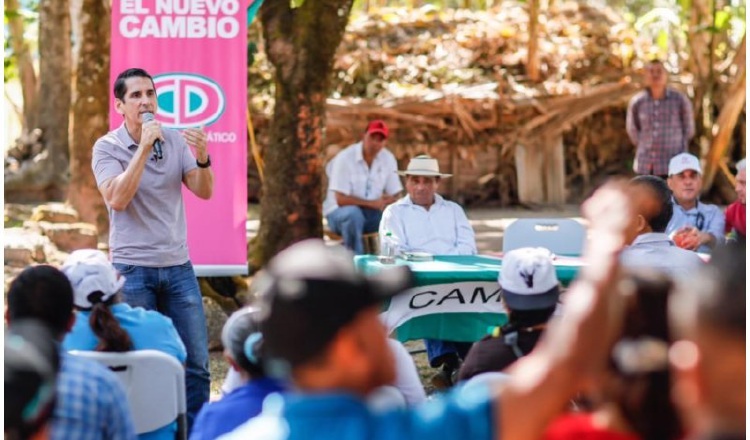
<point>682,162</point>
<point>90,271</point>
<point>528,279</point>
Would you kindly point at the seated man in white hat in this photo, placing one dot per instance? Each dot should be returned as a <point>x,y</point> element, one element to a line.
<point>422,221</point>
<point>694,226</point>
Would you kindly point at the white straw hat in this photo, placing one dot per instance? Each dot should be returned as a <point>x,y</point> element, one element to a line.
<point>423,165</point>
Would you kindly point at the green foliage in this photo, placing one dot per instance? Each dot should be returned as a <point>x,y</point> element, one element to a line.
<point>29,11</point>
<point>9,68</point>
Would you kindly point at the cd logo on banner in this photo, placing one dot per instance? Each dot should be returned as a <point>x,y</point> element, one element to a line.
<point>188,100</point>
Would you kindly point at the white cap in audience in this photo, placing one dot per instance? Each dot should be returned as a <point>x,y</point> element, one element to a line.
<point>89,271</point>
<point>528,279</point>
<point>683,162</point>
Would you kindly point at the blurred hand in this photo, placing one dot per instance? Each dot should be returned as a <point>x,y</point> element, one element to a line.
<point>608,211</point>
<point>688,238</point>
<point>390,199</point>
<point>382,202</point>
<point>197,138</point>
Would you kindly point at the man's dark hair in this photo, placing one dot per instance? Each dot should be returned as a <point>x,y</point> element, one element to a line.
<point>120,88</point>
<point>659,189</point>
<point>527,318</point>
<point>44,293</point>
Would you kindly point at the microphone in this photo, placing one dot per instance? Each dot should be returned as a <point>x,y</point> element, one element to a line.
<point>148,117</point>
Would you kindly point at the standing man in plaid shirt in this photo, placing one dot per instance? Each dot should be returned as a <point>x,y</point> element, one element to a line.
<point>659,122</point>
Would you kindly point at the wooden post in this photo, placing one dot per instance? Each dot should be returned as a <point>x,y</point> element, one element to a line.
<point>540,168</point>
<point>529,170</point>
<point>554,170</point>
<point>454,170</point>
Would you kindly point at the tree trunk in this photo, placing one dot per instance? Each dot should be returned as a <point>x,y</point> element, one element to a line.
<point>54,86</point>
<point>45,177</point>
<point>90,110</point>
<point>727,120</point>
<point>532,62</point>
<point>301,44</point>
<point>25,66</point>
<point>54,77</point>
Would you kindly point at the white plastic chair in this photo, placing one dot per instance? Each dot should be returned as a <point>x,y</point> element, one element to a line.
<point>562,236</point>
<point>154,383</point>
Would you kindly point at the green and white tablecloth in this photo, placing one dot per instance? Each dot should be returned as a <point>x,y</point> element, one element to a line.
<point>457,298</point>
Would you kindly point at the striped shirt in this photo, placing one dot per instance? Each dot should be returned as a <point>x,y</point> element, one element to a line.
<point>660,129</point>
<point>91,403</point>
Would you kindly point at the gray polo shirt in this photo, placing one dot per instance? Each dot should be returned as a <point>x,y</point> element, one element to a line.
<point>151,231</point>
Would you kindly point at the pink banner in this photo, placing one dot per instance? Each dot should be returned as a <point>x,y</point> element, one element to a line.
<point>196,50</point>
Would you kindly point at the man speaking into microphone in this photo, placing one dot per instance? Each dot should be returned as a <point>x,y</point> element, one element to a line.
<point>140,168</point>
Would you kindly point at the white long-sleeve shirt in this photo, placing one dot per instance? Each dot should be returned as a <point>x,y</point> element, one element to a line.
<point>441,230</point>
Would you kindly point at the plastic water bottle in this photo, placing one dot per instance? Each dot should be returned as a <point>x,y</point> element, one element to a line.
<point>388,253</point>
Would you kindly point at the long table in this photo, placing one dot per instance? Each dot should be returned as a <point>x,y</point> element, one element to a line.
<point>457,298</point>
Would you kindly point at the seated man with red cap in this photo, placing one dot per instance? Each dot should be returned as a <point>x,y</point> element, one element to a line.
<point>362,181</point>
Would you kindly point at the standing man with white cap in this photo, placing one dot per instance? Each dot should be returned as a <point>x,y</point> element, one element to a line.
<point>423,221</point>
<point>694,225</point>
<point>362,181</point>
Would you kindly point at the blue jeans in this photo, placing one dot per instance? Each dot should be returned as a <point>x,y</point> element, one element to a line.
<point>350,222</point>
<point>438,350</point>
<point>174,292</point>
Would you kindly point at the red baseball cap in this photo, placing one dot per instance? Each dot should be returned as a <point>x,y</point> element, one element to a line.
<point>377,126</point>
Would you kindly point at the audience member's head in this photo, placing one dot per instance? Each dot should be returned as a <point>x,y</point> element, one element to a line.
<point>31,364</point>
<point>43,293</point>
<point>708,316</point>
<point>374,138</point>
<point>639,381</point>
<point>96,285</point>
<point>529,286</point>
<point>422,179</point>
<point>652,203</point>
<point>655,75</point>
<point>685,179</point>
<point>739,185</point>
<point>242,339</point>
<point>320,319</point>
